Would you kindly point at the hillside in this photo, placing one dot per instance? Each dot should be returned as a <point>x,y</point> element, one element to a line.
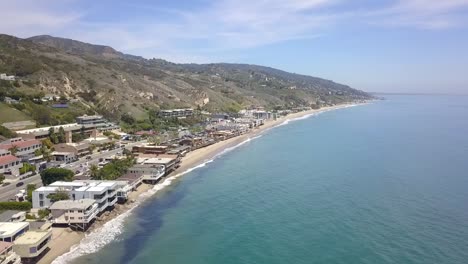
<point>112,83</point>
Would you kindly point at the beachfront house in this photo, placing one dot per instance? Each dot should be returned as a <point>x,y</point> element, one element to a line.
<point>77,214</point>
<point>104,193</point>
<point>9,231</point>
<point>7,255</point>
<point>33,243</point>
<point>168,162</point>
<point>151,173</point>
<point>149,149</point>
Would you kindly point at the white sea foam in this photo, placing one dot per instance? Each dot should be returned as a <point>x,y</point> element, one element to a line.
<point>102,236</point>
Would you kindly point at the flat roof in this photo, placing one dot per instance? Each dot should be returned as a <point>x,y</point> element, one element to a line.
<point>67,184</point>
<point>4,246</point>
<point>97,188</point>
<point>89,117</point>
<point>154,160</point>
<point>8,229</point>
<point>72,204</point>
<point>43,129</point>
<point>32,237</point>
<point>62,153</point>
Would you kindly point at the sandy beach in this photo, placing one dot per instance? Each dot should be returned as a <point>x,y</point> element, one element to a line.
<point>199,156</point>
<point>63,239</point>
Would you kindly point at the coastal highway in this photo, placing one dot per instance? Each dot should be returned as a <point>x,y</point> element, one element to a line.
<point>9,191</point>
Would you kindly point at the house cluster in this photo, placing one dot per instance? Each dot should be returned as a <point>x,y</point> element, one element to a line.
<point>84,124</point>
<point>14,152</point>
<point>26,147</point>
<point>87,200</point>
<point>22,241</point>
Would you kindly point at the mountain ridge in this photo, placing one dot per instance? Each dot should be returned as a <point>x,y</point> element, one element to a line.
<point>113,83</point>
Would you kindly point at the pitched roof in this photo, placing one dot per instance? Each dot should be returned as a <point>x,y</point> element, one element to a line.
<point>20,144</point>
<point>8,159</point>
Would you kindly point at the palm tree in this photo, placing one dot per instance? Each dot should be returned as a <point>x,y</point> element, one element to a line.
<point>13,150</point>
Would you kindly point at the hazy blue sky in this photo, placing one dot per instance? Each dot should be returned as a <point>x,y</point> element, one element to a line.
<point>387,45</point>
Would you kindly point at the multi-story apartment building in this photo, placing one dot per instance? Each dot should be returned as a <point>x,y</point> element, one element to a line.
<point>104,193</point>
<point>179,113</point>
<point>23,149</point>
<point>75,213</point>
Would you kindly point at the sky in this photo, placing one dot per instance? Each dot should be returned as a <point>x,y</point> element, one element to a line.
<point>413,46</point>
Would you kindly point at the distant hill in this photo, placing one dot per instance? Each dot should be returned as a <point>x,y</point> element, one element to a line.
<point>113,83</point>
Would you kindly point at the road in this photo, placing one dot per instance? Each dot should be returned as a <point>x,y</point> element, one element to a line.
<point>9,191</point>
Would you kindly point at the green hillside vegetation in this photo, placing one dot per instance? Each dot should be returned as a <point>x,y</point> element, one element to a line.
<point>111,83</point>
<point>10,114</point>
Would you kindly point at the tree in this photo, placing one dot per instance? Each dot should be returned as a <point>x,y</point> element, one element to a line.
<point>94,172</point>
<point>6,132</point>
<point>43,213</point>
<point>29,189</point>
<point>2,178</point>
<point>47,143</point>
<point>13,150</point>
<point>51,175</point>
<point>61,135</point>
<point>58,196</point>
<point>156,140</point>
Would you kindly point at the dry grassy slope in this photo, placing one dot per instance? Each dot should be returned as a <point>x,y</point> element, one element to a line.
<point>113,83</point>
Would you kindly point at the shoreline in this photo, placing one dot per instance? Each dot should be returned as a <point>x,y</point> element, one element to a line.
<point>70,245</point>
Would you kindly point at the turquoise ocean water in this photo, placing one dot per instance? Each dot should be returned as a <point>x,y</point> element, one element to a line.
<point>385,182</point>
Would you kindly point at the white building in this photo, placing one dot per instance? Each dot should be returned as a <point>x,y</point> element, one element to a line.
<point>179,113</point>
<point>90,119</point>
<point>104,193</point>
<point>10,164</point>
<point>5,77</point>
<point>63,157</point>
<point>150,172</point>
<point>24,148</point>
<point>32,244</point>
<point>168,162</point>
<point>10,231</point>
<point>75,213</point>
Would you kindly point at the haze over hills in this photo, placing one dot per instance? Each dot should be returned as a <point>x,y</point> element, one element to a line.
<point>113,83</point>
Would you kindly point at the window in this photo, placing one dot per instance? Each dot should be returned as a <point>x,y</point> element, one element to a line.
<point>41,196</point>
<point>72,218</point>
<point>41,203</point>
<point>32,250</point>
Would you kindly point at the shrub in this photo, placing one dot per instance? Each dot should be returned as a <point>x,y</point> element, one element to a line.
<point>6,132</point>
<point>27,168</point>
<point>51,175</point>
<point>20,206</point>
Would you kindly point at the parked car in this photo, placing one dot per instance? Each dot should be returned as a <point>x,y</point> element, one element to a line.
<point>19,184</point>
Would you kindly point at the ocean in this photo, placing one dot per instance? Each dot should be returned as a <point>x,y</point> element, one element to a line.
<point>385,182</point>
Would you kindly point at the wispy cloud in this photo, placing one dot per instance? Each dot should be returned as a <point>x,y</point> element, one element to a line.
<point>29,17</point>
<point>219,26</point>
<point>423,14</point>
